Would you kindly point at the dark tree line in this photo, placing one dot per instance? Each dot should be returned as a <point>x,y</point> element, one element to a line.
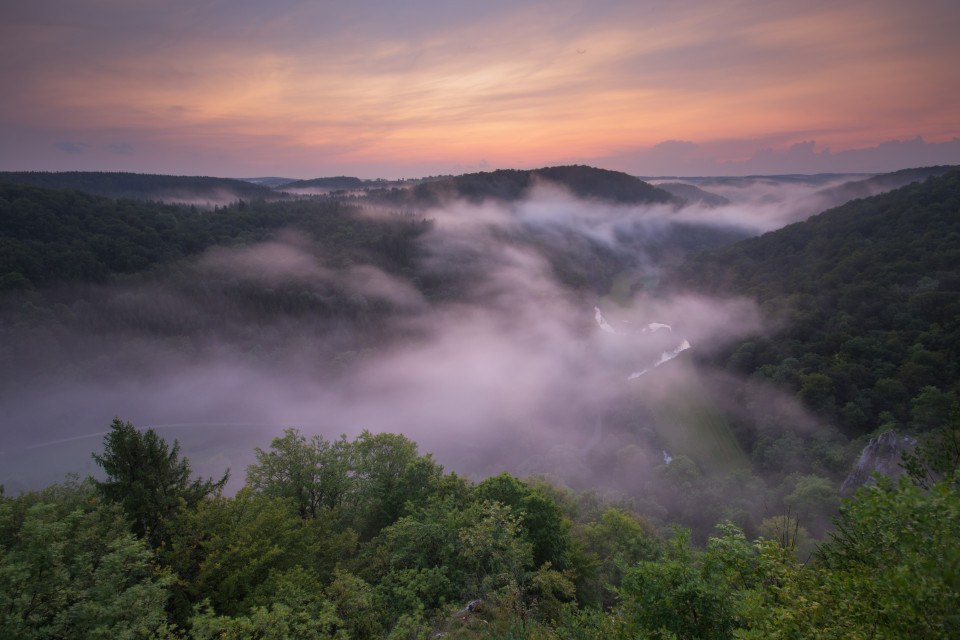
<point>58,236</point>
<point>144,186</point>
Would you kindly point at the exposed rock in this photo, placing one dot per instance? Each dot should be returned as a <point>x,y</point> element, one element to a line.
<point>471,607</point>
<point>881,455</point>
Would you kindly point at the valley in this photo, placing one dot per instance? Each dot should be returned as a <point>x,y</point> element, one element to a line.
<point>689,355</point>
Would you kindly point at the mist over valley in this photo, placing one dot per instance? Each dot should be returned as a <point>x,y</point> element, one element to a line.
<point>503,320</point>
<point>495,399</point>
<point>529,321</point>
<point>465,324</point>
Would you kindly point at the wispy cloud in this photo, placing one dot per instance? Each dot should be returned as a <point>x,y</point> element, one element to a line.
<point>121,148</point>
<point>72,147</point>
<point>373,84</point>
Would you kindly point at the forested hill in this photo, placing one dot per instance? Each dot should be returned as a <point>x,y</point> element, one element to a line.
<point>337,183</point>
<point>512,184</point>
<point>884,182</point>
<point>867,296</point>
<point>145,186</point>
<point>50,236</point>
<point>694,194</point>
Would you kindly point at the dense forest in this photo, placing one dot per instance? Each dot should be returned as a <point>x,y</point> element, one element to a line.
<point>868,299</point>
<point>700,500</point>
<point>55,236</point>
<point>138,186</point>
<point>367,539</point>
<point>513,184</point>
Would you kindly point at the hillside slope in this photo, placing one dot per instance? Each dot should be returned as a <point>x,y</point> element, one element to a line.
<point>866,298</point>
<point>200,190</point>
<point>512,184</point>
<point>52,236</point>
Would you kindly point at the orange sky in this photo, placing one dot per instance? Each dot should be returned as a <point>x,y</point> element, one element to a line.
<point>375,89</point>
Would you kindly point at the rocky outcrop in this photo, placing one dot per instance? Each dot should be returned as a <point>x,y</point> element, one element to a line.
<point>882,455</point>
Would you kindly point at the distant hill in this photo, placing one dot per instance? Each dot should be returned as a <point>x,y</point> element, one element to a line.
<point>879,184</point>
<point>337,182</point>
<point>272,182</point>
<point>55,236</point>
<point>694,195</point>
<point>343,183</point>
<point>512,184</point>
<point>783,199</point>
<point>146,186</point>
<point>793,178</point>
<point>866,231</point>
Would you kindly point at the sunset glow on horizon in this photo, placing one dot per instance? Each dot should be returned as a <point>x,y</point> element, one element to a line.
<point>373,89</point>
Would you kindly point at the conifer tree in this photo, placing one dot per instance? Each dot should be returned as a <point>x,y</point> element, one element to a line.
<point>149,479</point>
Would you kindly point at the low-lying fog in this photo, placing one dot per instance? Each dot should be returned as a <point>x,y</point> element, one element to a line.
<point>763,203</point>
<point>515,371</point>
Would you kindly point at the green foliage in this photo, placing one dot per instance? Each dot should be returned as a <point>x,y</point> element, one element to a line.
<point>868,298</point>
<point>50,236</point>
<point>256,565</point>
<point>937,457</point>
<point>789,534</point>
<point>552,590</point>
<point>813,500</point>
<point>930,409</point>
<point>69,568</point>
<point>367,483</point>
<point>493,550</point>
<point>236,544</point>
<point>445,553</point>
<point>890,570</point>
<point>684,595</point>
<point>541,520</point>
<point>314,474</point>
<point>778,598</point>
<point>276,621</point>
<point>149,479</point>
<point>389,473</point>
<point>354,602</point>
<point>617,541</point>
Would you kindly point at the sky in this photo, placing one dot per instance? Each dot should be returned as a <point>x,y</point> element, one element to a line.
<point>386,89</point>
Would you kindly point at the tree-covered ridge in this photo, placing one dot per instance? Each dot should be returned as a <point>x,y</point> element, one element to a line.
<point>145,186</point>
<point>335,182</point>
<point>866,298</point>
<point>508,185</point>
<point>370,539</point>
<point>874,185</point>
<point>693,195</point>
<point>343,183</point>
<point>56,236</point>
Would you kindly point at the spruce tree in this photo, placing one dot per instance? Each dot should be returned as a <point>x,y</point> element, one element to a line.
<point>149,479</point>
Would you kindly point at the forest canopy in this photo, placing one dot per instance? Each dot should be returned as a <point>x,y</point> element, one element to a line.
<point>367,538</point>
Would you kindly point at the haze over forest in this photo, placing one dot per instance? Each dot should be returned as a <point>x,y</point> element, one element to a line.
<point>667,353</point>
<point>509,319</point>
